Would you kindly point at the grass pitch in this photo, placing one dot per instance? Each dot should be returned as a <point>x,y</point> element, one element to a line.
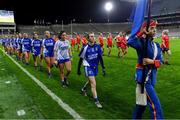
<point>116,90</point>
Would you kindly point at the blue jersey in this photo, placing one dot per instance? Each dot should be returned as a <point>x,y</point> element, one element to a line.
<point>3,41</point>
<point>19,43</point>
<point>90,55</point>
<point>26,44</point>
<point>137,44</point>
<point>48,45</point>
<point>7,42</point>
<point>11,42</point>
<point>36,46</point>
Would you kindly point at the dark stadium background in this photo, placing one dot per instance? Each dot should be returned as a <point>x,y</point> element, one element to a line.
<point>80,10</point>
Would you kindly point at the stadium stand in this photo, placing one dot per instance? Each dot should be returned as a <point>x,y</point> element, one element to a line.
<point>168,17</point>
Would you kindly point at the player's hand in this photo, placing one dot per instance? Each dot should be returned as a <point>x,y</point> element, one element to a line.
<point>104,72</point>
<point>147,61</point>
<point>55,62</point>
<point>79,72</point>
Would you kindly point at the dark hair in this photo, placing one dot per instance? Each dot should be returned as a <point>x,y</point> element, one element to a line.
<point>59,35</point>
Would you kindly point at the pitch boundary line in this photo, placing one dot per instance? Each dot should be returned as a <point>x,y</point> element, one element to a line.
<point>63,105</point>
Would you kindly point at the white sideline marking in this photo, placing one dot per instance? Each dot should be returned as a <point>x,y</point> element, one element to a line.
<point>21,112</point>
<point>8,82</point>
<point>65,106</point>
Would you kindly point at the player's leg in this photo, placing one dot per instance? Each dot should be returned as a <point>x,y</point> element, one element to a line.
<point>26,57</point>
<point>41,61</point>
<point>78,48</point>
<point>138,112</point>
<point>68,68</point>
<point>84,88</point>
<point>168,56</point>
<point>108,50</point>
<point>93,90</point>
<point>48,63</point>
<point>103,49</point>
<point>164,55</point>
<point>119,51</point>
<point>35,61</point>
<point>61,69</point>
<point>51,61</point>
<point>153,102</point>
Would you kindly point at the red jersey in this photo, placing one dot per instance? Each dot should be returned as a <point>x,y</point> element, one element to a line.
<point>73,41</point>
<point>109,41</point>
<point>165,41</point>
<point>118,41</point>
<point>124,43</point>
<point>100,38</point>
<point>84,41</point>
<point>78,39</point>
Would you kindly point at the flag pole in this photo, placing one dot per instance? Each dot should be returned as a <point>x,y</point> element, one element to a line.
<point>146,45</point>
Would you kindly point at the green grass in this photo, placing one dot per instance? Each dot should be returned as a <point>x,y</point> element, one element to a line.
<point>116,91</point>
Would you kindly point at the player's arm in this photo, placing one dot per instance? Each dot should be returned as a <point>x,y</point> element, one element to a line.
<point>42,46</point>
<point>55,50</point>
<point>134,42</point>
<point>82,56</point>
<point>157,62</point>
<point>70,52</point>
<point>79,66</point>
<point>101,61</point>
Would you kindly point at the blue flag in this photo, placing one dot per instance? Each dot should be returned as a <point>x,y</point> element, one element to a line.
<point>138,17</point>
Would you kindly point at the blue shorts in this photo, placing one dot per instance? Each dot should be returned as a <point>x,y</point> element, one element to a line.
<point>25,50</point>
<point>90,71</point>
<point>49,54</point>
<point>36,53</point>
<point>63,61</point>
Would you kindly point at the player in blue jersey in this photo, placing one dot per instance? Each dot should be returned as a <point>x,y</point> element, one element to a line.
<point>16,42</point>
<point>26,47</point>
<point>153,61</point>
<point>48,51</point>
<point>14,45</point>
<point>11,52</point>
<point>3,42</point>
<point>90,56</point>
<point>62,54</point>
<point>37,50</point>
<point>19,46</point>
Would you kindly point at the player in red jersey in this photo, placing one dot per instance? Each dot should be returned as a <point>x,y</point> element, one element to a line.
<point>109,43</point>
<point>78,41</point>
<point>73,43</point>
<point>84,41</point>
<point>101,41</point>
<point>118,43</point>
<point>123,44</point>
<point>165,46</point>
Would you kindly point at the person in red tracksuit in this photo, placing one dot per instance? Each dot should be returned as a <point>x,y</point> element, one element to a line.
<point>109,43</point>
<point>165,47</point>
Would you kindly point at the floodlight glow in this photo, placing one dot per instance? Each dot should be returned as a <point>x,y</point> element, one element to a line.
<point>108,6</point>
